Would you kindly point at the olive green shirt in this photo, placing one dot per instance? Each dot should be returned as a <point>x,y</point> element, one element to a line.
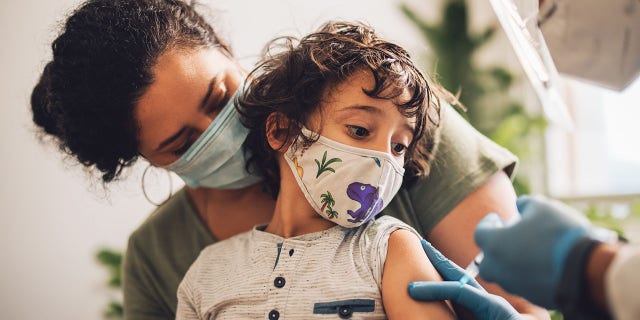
<point>161,250</point>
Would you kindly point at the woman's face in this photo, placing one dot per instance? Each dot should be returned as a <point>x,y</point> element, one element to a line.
<point>188,90</point>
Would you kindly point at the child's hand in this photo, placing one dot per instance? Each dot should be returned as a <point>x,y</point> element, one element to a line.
<point>472,296</point>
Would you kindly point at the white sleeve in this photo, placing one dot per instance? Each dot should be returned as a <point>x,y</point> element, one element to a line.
<point>188,300</point>
<point>378,234</point>
<point>622,283</point>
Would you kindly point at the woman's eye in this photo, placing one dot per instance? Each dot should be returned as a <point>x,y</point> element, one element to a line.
<point>358,132</point>
<point>219,103</point>
<point>185,144</point>
<point>182,149</point>
<point>399,148</point>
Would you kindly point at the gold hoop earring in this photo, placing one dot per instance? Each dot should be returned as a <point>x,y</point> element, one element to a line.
<point>144,191</point>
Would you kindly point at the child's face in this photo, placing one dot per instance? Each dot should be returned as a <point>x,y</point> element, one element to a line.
<point>348,115</point>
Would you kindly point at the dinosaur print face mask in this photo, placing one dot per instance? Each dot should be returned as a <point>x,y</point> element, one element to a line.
<point>344,184</point>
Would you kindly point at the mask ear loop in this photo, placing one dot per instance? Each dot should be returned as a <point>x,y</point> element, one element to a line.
<point>144,191</point>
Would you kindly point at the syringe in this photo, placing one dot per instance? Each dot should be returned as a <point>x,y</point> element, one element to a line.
<point>472,269</point>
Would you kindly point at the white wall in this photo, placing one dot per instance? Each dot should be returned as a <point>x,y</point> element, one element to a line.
<point>52,218</point>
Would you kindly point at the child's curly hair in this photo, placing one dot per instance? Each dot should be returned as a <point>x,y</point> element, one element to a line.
<point>295,74</point>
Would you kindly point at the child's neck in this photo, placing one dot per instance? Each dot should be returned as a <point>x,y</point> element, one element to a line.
<point>293,215</point>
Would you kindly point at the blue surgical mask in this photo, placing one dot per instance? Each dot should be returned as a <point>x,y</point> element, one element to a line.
<point>216,159</point>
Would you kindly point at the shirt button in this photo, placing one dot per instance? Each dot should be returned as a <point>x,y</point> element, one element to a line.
<point>290,252</point>
<point>274,315</point>
<point>279,282</point>
<point>345,312</point>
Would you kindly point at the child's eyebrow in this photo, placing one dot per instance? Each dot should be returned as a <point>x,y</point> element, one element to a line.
<point>358,107</point>
<point>376,111</point>
<point>344,112</point>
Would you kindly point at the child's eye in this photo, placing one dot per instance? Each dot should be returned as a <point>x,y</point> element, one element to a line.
<point>358,132</point>
<point>399,148</point>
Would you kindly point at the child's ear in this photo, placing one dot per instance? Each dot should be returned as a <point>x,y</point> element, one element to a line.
<point>277,131</point>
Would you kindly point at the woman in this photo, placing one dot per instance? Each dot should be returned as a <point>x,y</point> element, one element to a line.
<point>148,77</point>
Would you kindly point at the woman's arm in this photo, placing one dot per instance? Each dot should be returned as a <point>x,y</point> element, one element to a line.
<point>453,235</point>
<point>141,299</point>
<point>405,263</point>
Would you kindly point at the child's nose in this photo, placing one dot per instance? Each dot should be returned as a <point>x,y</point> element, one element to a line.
<point>383,145</point>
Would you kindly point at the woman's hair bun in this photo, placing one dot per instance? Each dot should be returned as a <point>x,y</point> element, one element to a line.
<point>101,65</point>
<point>41,104</point>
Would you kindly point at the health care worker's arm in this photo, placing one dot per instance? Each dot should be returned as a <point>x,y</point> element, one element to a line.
<point>622,281</point>
<point>453,235</point>
<point>405,263</point>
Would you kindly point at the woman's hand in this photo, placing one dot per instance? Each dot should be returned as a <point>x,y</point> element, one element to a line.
<point>471,296</point>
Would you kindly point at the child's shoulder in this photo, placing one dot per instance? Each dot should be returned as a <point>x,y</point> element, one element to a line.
<point>227,245</point>
<point>385,225</point>
<point>374,236</point>
<point>374,242</point>
<point>221,252</point>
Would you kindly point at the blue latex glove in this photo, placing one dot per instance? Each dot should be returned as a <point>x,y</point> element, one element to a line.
<point>527,258</point>
<point>471,296</point>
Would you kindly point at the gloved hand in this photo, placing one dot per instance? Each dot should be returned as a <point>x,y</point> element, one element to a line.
<point>528,257</point>
<point>471,296</point>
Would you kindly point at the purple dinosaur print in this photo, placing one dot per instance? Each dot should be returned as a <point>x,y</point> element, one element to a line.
<point>367,196</point>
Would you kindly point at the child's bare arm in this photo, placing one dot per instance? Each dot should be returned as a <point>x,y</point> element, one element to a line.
<point>405,263</point>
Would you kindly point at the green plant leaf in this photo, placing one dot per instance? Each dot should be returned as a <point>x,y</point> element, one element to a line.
<point>111,259</point>
<point>114,310</point>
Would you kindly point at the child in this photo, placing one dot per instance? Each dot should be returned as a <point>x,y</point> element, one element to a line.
<point>332,121</point>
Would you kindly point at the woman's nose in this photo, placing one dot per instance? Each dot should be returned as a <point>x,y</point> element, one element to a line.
<point>203,122</point>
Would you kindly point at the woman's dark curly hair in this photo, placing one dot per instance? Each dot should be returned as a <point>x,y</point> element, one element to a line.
<point>101,65</point>
<point>294,75</point>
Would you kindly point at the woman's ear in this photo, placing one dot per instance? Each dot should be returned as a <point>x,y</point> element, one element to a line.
<point>277,132</point>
